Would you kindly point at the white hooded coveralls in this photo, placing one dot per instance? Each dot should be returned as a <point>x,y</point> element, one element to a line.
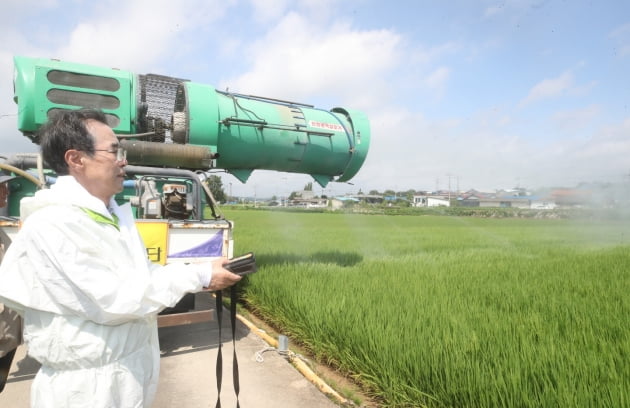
<point>90,298</point>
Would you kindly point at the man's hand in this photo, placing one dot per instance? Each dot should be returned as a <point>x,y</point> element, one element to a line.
<point>221,277</point>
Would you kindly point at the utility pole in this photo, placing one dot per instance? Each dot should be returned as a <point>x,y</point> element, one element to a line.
<point>449,188</point>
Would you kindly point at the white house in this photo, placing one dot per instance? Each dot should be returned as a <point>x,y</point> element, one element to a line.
<point>430,201</point>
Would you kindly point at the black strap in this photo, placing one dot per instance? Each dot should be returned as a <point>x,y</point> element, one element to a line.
<point>5,367</point>
<point>237,387</point>
<point>219,370</point>
<point>219,298</point>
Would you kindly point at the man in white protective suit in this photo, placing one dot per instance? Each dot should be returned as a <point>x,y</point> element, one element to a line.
<point>79,275</point>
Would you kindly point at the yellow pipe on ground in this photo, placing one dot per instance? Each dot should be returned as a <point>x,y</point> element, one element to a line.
<point>270,340</point>
<point>301,366</point>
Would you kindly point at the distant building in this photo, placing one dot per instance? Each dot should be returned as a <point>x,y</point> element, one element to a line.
<point>505,202</point>
<point>571,197</point>
<point>338,202</point>
<point>514,198</point>
<point>307,194</point>
<point>470,199</point>
<point>309,202</point>
<point>430,201</point>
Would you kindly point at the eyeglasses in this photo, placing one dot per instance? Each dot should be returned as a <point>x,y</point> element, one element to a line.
<point>120,152</point>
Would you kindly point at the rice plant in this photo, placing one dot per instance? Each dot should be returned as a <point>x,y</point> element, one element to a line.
<point>451,312</point>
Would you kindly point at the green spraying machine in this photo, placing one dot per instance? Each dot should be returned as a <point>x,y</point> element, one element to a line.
<point>170,122</point>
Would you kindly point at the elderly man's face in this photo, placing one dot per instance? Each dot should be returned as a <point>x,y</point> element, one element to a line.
<point>4,193</point>
<point>103,174</point>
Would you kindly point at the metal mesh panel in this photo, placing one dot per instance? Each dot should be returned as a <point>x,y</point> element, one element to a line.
<point>158,92</point>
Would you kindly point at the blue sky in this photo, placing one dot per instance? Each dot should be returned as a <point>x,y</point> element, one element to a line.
<point>484,94</point>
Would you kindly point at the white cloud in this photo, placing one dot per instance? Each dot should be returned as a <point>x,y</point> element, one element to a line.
<point>622,31</point>
<point>413,151</point>
<point>297,58</point>
<point>576,119</point>
<point>139,33</point>
<point>512,7</point>
<point>608,142</point>
<point>493,11</point>
<point>10,8</point>
<point>268,10</point>
<point>621,35</point>
<point>549,88</point>
<point>438,78</point>
<point>265,11</point>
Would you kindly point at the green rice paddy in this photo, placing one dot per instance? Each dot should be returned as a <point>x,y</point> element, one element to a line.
<point>444,311</point>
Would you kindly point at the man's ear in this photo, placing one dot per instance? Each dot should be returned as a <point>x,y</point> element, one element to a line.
<point>74,159</point>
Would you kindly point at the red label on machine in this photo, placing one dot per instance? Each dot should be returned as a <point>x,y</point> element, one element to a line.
<point>328,126</point>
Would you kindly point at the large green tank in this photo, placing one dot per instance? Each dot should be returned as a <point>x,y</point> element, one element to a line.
<point>171,122</point>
